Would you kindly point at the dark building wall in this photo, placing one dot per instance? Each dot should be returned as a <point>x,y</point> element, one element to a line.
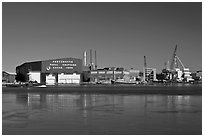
<point>43,78</point>
<point>64,65</point>
<point>21,73</point>
<point>85,77</point>
<point>23,70</point>
<point>54,66</point>
<point>34,66</point>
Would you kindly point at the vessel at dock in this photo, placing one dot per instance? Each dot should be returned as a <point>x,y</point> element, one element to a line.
<point>122,81</point>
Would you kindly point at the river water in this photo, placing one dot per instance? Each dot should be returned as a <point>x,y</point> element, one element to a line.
<point>40,113</point>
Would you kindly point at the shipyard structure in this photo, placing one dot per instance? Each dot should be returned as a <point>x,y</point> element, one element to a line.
<point>73,71</point>
<point>107,75</point>
<point>64,70</point>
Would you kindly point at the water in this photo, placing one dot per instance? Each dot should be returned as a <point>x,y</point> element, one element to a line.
<point>33,111</point>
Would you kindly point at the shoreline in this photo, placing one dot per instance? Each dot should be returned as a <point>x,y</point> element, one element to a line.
<point>111,89</point>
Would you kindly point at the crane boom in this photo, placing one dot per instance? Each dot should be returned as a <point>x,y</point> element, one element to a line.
<point>180,62</point>
<point>145,62</point>
<point>173,59</point>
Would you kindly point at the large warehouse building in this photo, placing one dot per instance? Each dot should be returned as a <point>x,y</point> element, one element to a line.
<point>64,70</point>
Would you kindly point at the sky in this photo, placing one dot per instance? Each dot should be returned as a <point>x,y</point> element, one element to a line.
<point>121,33</point>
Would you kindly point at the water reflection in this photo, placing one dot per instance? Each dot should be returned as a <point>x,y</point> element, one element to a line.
<point>179,104</point>
<point>56,102</point>
<point>61,102</point>
<point>87,113</point>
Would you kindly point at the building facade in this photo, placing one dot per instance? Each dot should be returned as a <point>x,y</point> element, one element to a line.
<point>64,70</point>
<point>149,74</point>
<point>106,74</point>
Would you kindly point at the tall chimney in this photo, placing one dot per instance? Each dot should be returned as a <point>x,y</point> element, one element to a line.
<point>95,60</point>
<point>91,58</point>
<point>85,58</point>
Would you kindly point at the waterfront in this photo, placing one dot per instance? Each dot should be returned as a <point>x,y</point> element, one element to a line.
<point>53,111</point>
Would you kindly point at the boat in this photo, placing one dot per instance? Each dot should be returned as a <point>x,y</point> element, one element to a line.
<point>121,81</point>
<point>103,82</point>
<point>41,86</point>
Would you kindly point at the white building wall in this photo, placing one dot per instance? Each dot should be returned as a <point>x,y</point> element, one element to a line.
<point>68,78</point>
<point>147,72</point>
<point>154,75</point>
<point>50,79</point>
<point>180,73</point>
<point>34,76</point>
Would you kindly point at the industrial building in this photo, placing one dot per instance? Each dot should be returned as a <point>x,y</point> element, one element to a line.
<point>106,74</point>
<point>112,73</point>
<point>63,70</point>
<point>149,74</point>
<point>134,74</point>
<point>57,71</point>
<point>92,74</point>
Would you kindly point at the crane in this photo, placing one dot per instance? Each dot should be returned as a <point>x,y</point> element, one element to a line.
<point>145,62</point>
<point>173,61</point>
<point>175,64</point>
<point>177,58</point>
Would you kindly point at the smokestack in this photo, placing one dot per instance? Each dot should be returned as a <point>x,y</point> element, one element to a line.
<point>91,58</point>
<point>85,58</point>
<point>95,60</point>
